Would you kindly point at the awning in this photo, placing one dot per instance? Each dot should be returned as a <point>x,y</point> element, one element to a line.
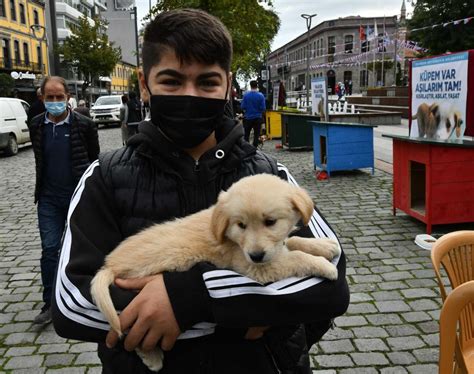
<point>105,79</point>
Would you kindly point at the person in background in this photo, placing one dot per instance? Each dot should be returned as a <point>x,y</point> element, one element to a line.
<point>64,144</point>
<point>36,108</point>
<point>253,106</point>
<point>124,119</point>
<point>82,109</point>
<point>72,102</point>
<point>134,113</point>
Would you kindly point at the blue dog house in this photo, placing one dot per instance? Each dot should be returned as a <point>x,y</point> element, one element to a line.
<point>342,146</point>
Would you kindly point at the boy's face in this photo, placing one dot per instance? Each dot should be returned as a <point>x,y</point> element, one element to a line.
<point>170,77</point>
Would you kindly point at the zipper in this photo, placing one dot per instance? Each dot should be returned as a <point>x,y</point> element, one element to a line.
<point>196,165</point>
<point>278,371</point>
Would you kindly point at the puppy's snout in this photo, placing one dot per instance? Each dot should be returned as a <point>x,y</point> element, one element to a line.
<point>257,256</point>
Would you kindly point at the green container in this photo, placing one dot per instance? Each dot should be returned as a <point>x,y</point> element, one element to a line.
<point>296,131</point>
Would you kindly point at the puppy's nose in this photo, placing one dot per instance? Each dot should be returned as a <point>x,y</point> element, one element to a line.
<point>257,256</point>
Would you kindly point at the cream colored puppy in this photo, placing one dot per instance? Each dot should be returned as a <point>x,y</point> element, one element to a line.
<point>246,231</point>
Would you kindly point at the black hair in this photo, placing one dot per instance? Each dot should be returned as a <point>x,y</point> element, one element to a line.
<point>193,35</point>
<point>253,84</point>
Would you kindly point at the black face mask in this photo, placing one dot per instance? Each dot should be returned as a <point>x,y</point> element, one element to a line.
<point>186,120</point>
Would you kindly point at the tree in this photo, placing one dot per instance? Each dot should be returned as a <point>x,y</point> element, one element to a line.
<point>251,25</point>
<point>89,49</point>
<point>451,38</point>
<point>6,85</point>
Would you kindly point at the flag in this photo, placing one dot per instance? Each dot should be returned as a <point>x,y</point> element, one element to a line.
<point>362,35</point>
<point>370,33</point>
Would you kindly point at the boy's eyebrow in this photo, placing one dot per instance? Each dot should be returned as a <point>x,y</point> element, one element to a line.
<point>177,74</point>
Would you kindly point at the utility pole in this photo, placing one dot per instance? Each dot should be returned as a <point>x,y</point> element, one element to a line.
<point>54,33</point>
<point>308,18</point>
<point>134,12</point>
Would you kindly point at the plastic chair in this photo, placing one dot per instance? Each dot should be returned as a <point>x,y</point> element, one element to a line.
<point>455,252</point>
<point>458,307</point>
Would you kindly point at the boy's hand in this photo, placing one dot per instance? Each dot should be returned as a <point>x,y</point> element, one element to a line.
<point>149,317</point>
<point>254,333</point>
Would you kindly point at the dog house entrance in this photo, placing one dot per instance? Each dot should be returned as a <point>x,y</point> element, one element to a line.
<point>417,187</point>
<point>322,148</point>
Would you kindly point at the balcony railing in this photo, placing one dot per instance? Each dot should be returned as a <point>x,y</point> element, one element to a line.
<point>10,64</point>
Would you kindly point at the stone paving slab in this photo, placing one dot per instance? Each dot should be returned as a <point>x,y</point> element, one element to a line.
<point>391,324</point>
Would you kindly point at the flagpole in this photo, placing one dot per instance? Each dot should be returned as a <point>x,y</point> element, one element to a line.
<point>374,74</point>
<point>360,51</point>
<point>367,47</point>
<point>383,51</point>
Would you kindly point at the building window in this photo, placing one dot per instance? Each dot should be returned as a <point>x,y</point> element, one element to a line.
<point>26,54</point>
<point>2,8</point>
<point>16,51</point>
<point>22,14</point>
<point>6,53</point>
<point>35,17</point>
<point>331,45</point>
<point>12,10</point>
<point>348,44</point>
<point>365,46</point>
<point>321,47</point>
<point>364,81</point>
<point>40,57</point>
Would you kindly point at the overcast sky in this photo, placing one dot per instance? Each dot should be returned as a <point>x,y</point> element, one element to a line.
<point>290,12</point>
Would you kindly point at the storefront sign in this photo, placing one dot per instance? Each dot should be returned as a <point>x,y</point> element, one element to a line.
<point>20,75</point>
<point>319,97</point>
<point>439,89</point>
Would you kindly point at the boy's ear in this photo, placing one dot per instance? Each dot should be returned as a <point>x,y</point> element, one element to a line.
<point>144,94</point>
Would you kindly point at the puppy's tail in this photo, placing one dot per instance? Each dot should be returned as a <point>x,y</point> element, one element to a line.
<point>101,296</point>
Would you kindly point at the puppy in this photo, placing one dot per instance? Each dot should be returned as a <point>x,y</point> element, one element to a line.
<point>428,118</point>
<point>247,231</point>
<point>453,125</point>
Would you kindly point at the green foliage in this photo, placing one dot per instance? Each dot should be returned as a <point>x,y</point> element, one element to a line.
<point>6,85</point>
<point>133,83</point>
<point>251,25</point>
<point>451,38</point>
<point>89,49</point>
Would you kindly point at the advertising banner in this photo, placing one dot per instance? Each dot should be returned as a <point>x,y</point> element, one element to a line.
<point>276,94</point>
<point>319,97</point>
<point>439,89</point>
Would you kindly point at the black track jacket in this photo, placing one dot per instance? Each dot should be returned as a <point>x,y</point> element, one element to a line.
<point>151,181</point>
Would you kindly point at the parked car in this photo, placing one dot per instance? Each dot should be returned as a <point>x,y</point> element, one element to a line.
<point>13,128</point>
<point>106,110</point>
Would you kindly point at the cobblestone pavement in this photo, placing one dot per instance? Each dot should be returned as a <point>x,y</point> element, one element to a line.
<point>391,324</point>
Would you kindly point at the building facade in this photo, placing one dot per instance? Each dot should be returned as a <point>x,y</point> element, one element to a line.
<point>121,78</point>
<point>349,49</point>
<point>23,52</point>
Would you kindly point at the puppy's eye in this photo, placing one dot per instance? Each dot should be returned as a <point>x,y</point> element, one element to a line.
<point>243,226</point>
<point>270,222</point>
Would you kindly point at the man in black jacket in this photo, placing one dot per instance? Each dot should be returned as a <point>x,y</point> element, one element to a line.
<point>207,320</point>
<point>64,144</point>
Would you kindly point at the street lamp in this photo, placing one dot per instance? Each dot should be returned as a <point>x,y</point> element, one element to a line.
<point>39,32</point>
<point>308,18</point>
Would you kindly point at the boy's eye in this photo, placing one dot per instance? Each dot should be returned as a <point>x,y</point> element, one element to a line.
<point>270,222</point>
<point>209,83</point>
<point>171,82</point>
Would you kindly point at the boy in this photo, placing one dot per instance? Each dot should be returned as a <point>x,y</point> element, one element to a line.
<point>175,166</point>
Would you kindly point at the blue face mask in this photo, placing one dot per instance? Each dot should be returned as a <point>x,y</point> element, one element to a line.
<point>56,108</point>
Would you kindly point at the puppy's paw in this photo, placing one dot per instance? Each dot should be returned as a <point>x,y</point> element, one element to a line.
<point>329,271</point>
<point>328,248</point>
<point>153,359</point>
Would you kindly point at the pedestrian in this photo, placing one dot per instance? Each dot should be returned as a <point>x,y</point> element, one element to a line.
<point>64,145</point>
<point>82,109</point>
<point>134,113</point>
<point>350,87</point>
<point>253,105</point>
<point>177,164</point>
<point>123,119</point>
<point>36,108</point>
<point>72,102</point>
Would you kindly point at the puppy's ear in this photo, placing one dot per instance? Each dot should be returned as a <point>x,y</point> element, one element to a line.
<point>302,203</point>
<point>220,219</point>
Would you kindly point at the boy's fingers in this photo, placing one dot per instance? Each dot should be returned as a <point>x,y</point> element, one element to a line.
<point>134,283</point>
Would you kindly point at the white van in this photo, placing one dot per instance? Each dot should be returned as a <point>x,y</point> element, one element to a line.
<point>13,128</point>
